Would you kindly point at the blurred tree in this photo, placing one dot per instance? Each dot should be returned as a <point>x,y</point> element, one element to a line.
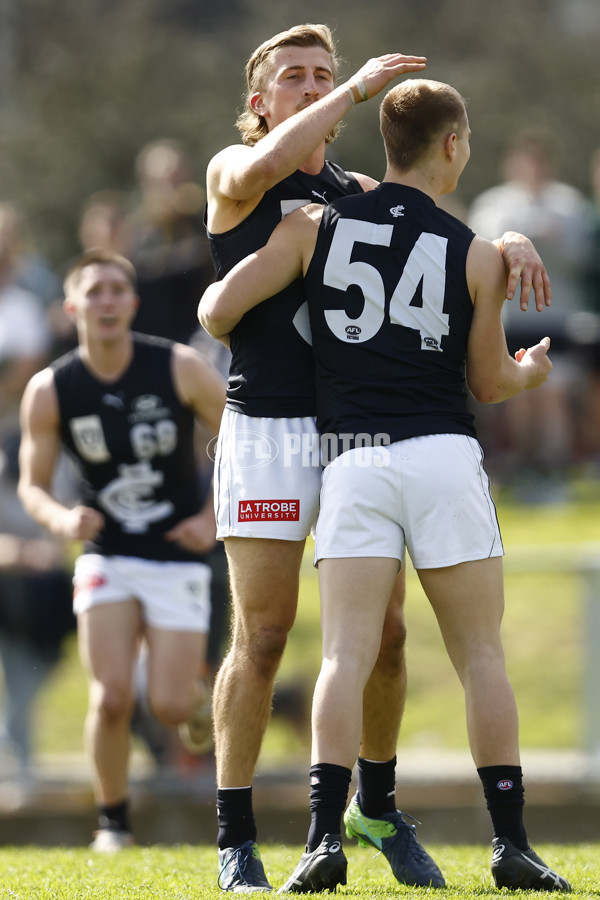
<point>91,81</point>
<point>94,81</point>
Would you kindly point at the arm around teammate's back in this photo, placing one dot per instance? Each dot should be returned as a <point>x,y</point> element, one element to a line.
<point>492,374</point>
<point>283,259</point>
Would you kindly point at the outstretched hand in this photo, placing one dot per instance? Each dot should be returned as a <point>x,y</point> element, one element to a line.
<point>379,71</point>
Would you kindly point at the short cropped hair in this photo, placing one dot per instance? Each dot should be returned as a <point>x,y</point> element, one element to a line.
<point>413,114</point>
<point>98,256</point>
<point>250,124</point>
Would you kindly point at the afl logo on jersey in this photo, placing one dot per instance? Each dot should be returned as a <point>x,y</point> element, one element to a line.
<point>352,332</point>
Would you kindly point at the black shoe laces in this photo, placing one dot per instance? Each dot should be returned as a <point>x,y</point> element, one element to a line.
<point>410,831</point>
<point>240,858</point>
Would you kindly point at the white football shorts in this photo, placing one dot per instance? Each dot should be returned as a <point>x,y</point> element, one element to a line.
<point>267,477</point>
<point>429,495</point>
<point>174,596</point>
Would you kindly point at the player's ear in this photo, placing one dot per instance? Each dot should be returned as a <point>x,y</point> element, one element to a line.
<point>257,104</point>
<point>450,145</point>
<point>69,308</point>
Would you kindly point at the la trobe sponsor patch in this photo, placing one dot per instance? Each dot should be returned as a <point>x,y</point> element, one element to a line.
<point>269,511</point>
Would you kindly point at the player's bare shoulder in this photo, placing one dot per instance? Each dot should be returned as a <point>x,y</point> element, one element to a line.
<point>39,401</point>
<point>232,190</point>
<point>485,269</point>
<point>221,168</point>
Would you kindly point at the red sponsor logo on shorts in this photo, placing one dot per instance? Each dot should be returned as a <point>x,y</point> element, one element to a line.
<point>88,582</point>
<point>269,511</point>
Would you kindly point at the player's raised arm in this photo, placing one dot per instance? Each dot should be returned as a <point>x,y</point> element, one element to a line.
<point>263,274</point>
<point>492,374</point>
<point>241,173</point>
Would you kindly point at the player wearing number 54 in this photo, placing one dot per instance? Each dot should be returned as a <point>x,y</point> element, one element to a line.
<point>405,309</point>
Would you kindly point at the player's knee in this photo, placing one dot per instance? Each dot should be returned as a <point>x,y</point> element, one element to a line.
<point>265,648</point>
<point>393,642</point>
<point>111,700</point>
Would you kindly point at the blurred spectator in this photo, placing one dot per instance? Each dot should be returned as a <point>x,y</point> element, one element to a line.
<point>537,435</point>
<point>169,247</point>
<point>35,602</point>
<point>24,336</point>
<point>36,615</point>
<point>23,268</point>
<point>593,263</point>
<point>103,223</point>
<point>591,409</point>
<point>30,271</point>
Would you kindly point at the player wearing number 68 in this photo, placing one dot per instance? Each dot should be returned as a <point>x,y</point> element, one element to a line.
<point>405,309</point>
<point>124,406</point>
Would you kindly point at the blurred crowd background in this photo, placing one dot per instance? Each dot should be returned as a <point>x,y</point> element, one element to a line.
<point>110,111</point>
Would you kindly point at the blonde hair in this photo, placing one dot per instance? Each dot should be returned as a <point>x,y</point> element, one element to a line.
<point>413,114</point>
<point>98,256</point>
<point>250,124</point>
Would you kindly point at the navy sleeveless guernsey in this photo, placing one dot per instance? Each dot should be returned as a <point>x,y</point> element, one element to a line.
<point>132,439</point>
<point>272,368</point>
<point>390,312</point>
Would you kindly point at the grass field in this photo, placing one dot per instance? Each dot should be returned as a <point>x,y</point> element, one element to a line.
<point>190,873</point>
<point>543,634</point>
<point>544,628</point>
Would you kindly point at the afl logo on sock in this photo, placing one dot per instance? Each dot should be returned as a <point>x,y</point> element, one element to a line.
<point>504,785</point>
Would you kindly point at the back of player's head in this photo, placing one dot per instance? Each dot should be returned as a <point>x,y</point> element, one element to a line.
<point>250,124</point>
<point>98,256</point>
<point>414,114</point>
